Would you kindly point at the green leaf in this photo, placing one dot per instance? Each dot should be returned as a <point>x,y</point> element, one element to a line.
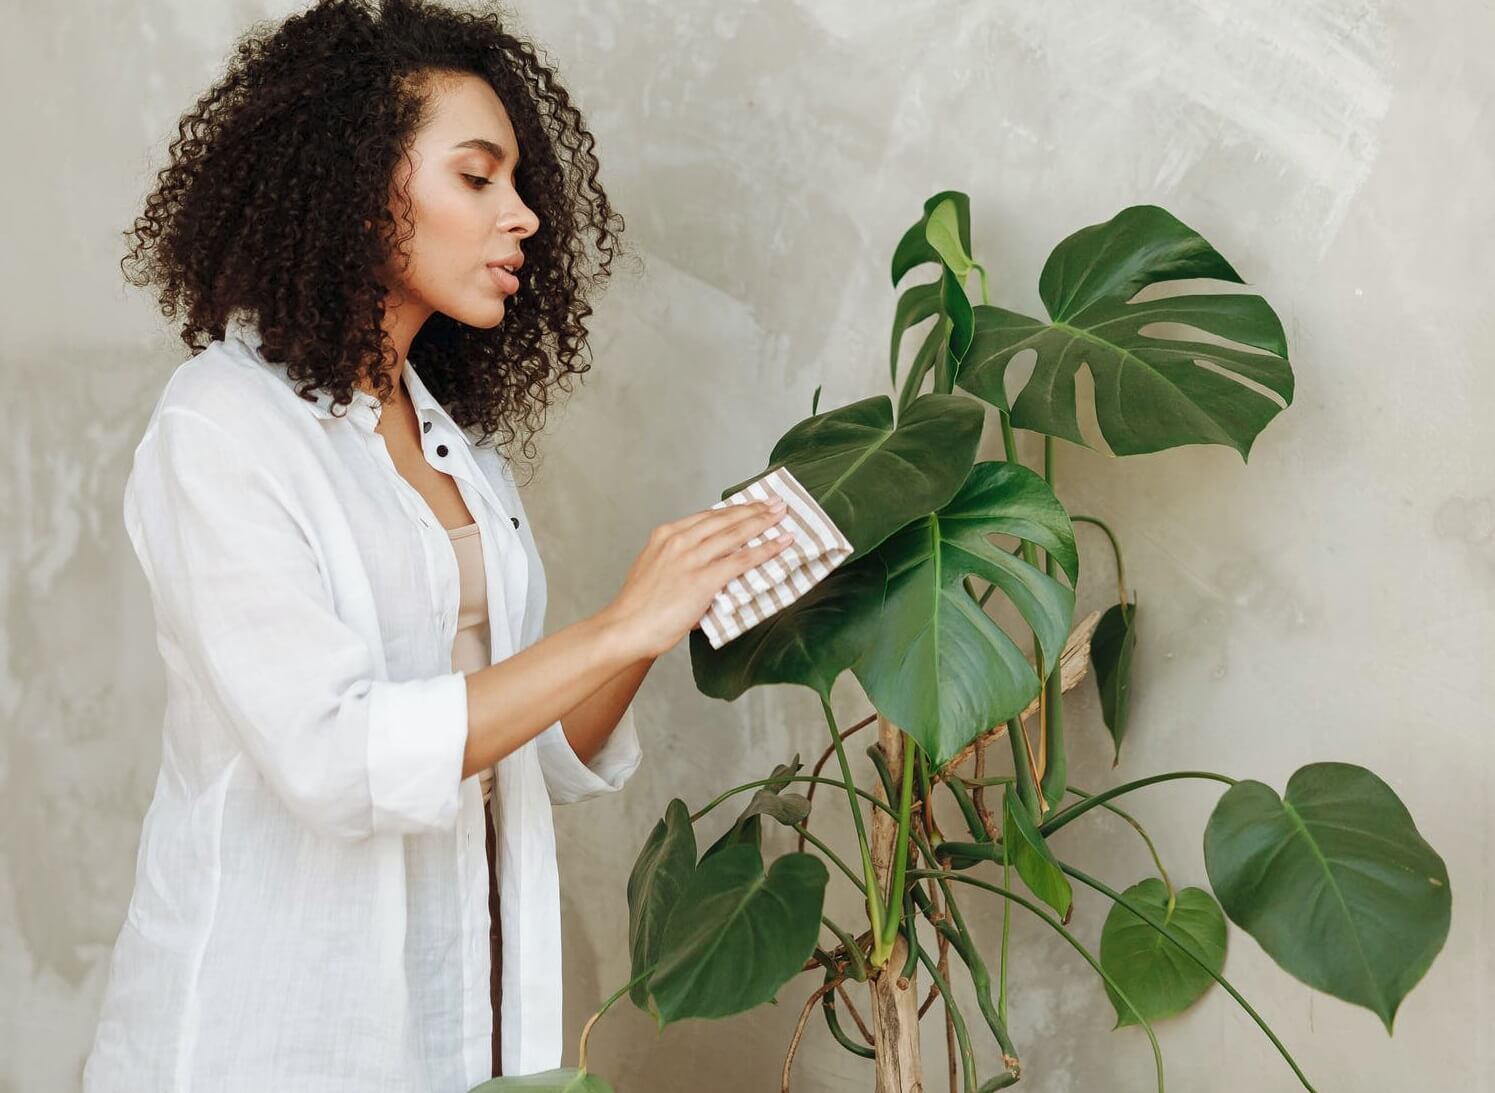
<point>933,345</point>
<point>661,872</point>
<point>936,664</point>
<point>738,935</point>
<point>1151,392</point>
<point>870,476</point>
<point>914,306</point>
<point>1155,975</point>
<point>961,318</point>
<point>914,248</point>
<point>1031,856</point>
<point>565,1080</point>
<point>1333,880</point>
<point>810,642</point>
<point>1111,648</point>
<point>949,237</point>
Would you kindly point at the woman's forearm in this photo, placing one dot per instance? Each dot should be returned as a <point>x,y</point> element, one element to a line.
<point>511,702</point>
<point>593,720</point>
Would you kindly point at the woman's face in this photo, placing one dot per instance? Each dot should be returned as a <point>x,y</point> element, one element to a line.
<point>459,175</point>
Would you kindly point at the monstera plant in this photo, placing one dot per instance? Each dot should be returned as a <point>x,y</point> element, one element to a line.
<point>1330,876</point>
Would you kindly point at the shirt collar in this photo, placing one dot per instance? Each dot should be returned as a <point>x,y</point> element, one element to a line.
<point>365,407</point>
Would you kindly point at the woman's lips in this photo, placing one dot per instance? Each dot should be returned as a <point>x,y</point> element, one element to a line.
<point>505,280</point>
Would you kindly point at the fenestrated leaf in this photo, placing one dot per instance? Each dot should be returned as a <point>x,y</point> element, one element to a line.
<point>738,935</point>
<point>872,477</point>
<point>1155,975</point>
<point>565,1080</point>
<point>1111,647</point>
<point>660,873</point>
<point>1333,880</point>
<point>1151,392</point>
<point>914,248</point>
<point>1032,858</point>
<point>936,664</point>
<point>769,800</point>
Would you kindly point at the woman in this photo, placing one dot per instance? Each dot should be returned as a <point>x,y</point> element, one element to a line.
<point>347,595</point>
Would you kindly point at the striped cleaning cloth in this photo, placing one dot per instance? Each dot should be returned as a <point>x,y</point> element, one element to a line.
<point>819,546</point>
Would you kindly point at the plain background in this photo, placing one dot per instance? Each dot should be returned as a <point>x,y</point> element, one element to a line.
<point>1332,600</point>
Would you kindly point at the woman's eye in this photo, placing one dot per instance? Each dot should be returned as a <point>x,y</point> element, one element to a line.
<point>477,181</point>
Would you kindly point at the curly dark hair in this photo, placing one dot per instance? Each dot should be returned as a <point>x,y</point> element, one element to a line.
<point>276,200</point>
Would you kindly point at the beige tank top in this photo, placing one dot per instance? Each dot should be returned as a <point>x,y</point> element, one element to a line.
<point>471,651</point>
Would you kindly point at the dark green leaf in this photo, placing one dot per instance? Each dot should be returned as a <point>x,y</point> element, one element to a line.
<point>1031,857</point>
<point>1152,392</point>
<point>914,306</point>
<point>736,935</point>
<point>1111,648</point>
<point>1155,975</point>
<point>872,477</point>
<point>1334,882</point>
<point>936,664</point>
<point>661,872</point>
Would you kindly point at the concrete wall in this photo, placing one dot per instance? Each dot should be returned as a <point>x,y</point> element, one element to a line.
<point>1333,599</point>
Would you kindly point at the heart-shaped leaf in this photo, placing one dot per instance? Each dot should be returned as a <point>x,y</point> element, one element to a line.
<point>661,872</point>
<point>1032,858</point>
<point>1111,647</point>
<point>1151,392</point>
<point>872,477</point>
<point>565,1080</point>
<point>1333,880</point>
<point>936,664</point>
<point>737,935</point>
<point>1154,974</point>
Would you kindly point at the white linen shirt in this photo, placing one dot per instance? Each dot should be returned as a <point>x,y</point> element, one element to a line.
<point>310,911</point>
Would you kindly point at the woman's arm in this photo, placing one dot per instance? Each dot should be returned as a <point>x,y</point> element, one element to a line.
<point>593,720</point>
<point>587,672</point>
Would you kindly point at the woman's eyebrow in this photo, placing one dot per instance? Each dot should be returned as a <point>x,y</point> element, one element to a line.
<point>497,151</point>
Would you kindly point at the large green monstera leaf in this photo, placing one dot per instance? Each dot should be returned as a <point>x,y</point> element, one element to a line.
<point>1333,880</point>
<point>936,664</point>
<point>1151,392</point>
<point>870,476</point>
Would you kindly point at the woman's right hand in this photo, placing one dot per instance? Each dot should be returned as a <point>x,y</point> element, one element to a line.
<point>684,565</point>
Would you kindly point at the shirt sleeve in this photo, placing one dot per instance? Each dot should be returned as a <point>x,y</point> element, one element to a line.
<point>569,780</point>
<point>242,603</point>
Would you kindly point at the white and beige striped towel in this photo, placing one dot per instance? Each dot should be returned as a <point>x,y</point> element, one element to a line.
<point>819,546</point>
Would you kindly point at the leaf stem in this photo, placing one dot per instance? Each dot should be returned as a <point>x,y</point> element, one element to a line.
<point>875,909</point>
<point>1074,812</point>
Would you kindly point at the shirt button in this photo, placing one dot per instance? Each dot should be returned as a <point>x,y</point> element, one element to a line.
<point>425,427</point>
<point>515,519</point>
<point>441,449</point>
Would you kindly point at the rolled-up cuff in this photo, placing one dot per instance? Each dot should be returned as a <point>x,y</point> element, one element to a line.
<point>417,741</point>
<point>569,780</point>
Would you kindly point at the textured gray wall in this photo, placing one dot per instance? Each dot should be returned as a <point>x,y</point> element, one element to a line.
<point>1335,599</point>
